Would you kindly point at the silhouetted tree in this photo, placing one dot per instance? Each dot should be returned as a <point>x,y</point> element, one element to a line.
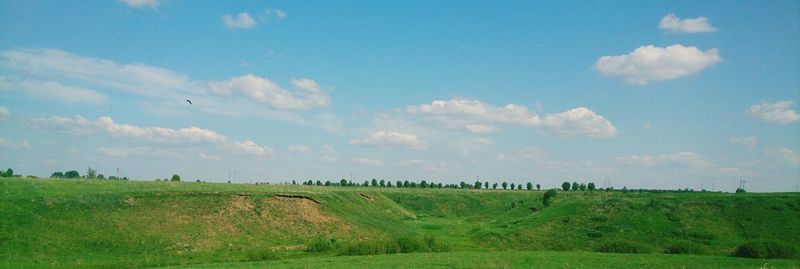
<point>478,184</point>
<point>327,182</point>
<point>582,186</point>
<point>529,186</point>
<point>538,187</point>
<point>406,184</point>
<point>91,173</point>
<point>72,174</point>
<point>389,183</point>
<point>399,184</point>
<point>382,183</point>
<point>423,184</point>
<point>494,186</point>
<point>374,182</point>
<point>505,185</point>
<point>175,177</point>
<point>343,182</point>
<point>519,186</point>
<point>513,186</point>
<point>548,195</point>
<point>319,183</point>
<point>565,186</point>
<point>486,185</point>
<point>57,174</point>
<point>591,186</point>
<point>575,186</point>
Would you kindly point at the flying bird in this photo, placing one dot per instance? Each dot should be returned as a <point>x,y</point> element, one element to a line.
<point>189,101</point>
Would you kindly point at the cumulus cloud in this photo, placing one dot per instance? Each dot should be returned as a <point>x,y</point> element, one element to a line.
<point>105,125</point>
<point>241,20</point>
<point>308,93</point>
<point>139,79</point>
<point>137,151</point>
<point>8,144</point>
<point>250,147</point>
<point>368,162</point>
<point>651,63</point>
<point>298,148</point>
<point>579,122</point>
<point>689,159</point>
<point>57,91</point>
<point>749,141</point>
<point>673,24</point>
<point>478,117</point>
<point>4,112</point>
<point>780,112</point>
<point>141,3</point>
<point>483,141</point>
<point>786,155</point>
<point>385,139</point>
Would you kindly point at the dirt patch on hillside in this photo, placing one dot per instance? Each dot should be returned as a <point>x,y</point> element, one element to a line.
<point>294,209</point>
<point>366,196</point>
<point>238,204</point>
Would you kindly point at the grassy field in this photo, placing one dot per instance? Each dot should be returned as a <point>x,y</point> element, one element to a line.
<point>132,224</point>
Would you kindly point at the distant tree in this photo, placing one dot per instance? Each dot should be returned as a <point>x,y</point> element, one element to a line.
<point>519,186</point>
<point>399,184</point>
<point>72,174</point>
<point>383,183</point>
<point>478,184</point>
<point>575,186</point>
<point>439,185</point>
<point>91,173</point>
<point>294,182</point>
<point>423,184</point>
<point>319,183</point>
<point>7,173</point>
<point>175,177</point>
<point>549,195</point>
<point>740,190</point>
<point>101,176</point>
<point>412,184</point>
<point>538,187</point>
<point>494,186</point>
<point>529,186</point>
<point>406,184</point>
<point>389,183</point>
<point>591,186</point>
<point>327,182</point>
<point>57,174</point>
<point>343,182</point>
<point>505,185</point>
<point>158,180</point>
<point>486,185</point>
<point>582,186</point>
<point>513,186</point>
<point>565,186</point>
<point>374,182</point>
<point>198,181</point>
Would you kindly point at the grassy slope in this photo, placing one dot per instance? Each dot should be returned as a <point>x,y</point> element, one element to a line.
<point>69,224</point>
<point>510,259</point>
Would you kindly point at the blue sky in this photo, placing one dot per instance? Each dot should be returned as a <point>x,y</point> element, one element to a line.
<point>647,94</point>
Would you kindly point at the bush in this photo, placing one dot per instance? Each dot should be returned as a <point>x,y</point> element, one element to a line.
<point>624,247</point>
<point>175,178</point>
<point>323,244</point>
<point>400,245</point>
<point>766,249</point>
<point>261,254</point>
<point>548,195</point>
<point>685,247</point>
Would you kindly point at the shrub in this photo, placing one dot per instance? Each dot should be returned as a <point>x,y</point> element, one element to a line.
<point>323,244</point>
<point>260,254</point>
<point>685,247</point>
<point>175,178</point>
<point>621,246</point>
<point>400,245</point>
<point>768,249</point>
<point>548,195</point>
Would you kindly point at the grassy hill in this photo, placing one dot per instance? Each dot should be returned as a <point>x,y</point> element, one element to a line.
<point>119,224</point>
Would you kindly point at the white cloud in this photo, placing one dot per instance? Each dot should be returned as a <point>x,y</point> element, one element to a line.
<point>385,139</point>
<point>786,155</point>
<point>241,20</point>
<point>55,90</point>
<point>140,79</point>
<point>298,148</point>
<point>280,14</point>
<point>749,141</point>
<point>113,152</point>
<point>105,125</point>
<point>651,63</point>
<point>141,3</point>
<point>673,24</point>
<point>264,91</point>
<point>483,141</point>
<point>480,128</point>
<point>689,159</point>
<point>251,147</point>
<point>4,112</point>
<point>780,112</point>
<point>138,151</point>
<point>368,162</point>
<point>479,117</point>
<point>327,153</point>
<point>579,122</point>
<point>13,145</point>
<point>208,157</point>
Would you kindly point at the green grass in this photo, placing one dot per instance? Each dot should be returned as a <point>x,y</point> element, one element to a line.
<point>130,224</point>
<point>511,259</point>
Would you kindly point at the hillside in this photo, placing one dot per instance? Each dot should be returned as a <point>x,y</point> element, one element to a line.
<point>113,224</point>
